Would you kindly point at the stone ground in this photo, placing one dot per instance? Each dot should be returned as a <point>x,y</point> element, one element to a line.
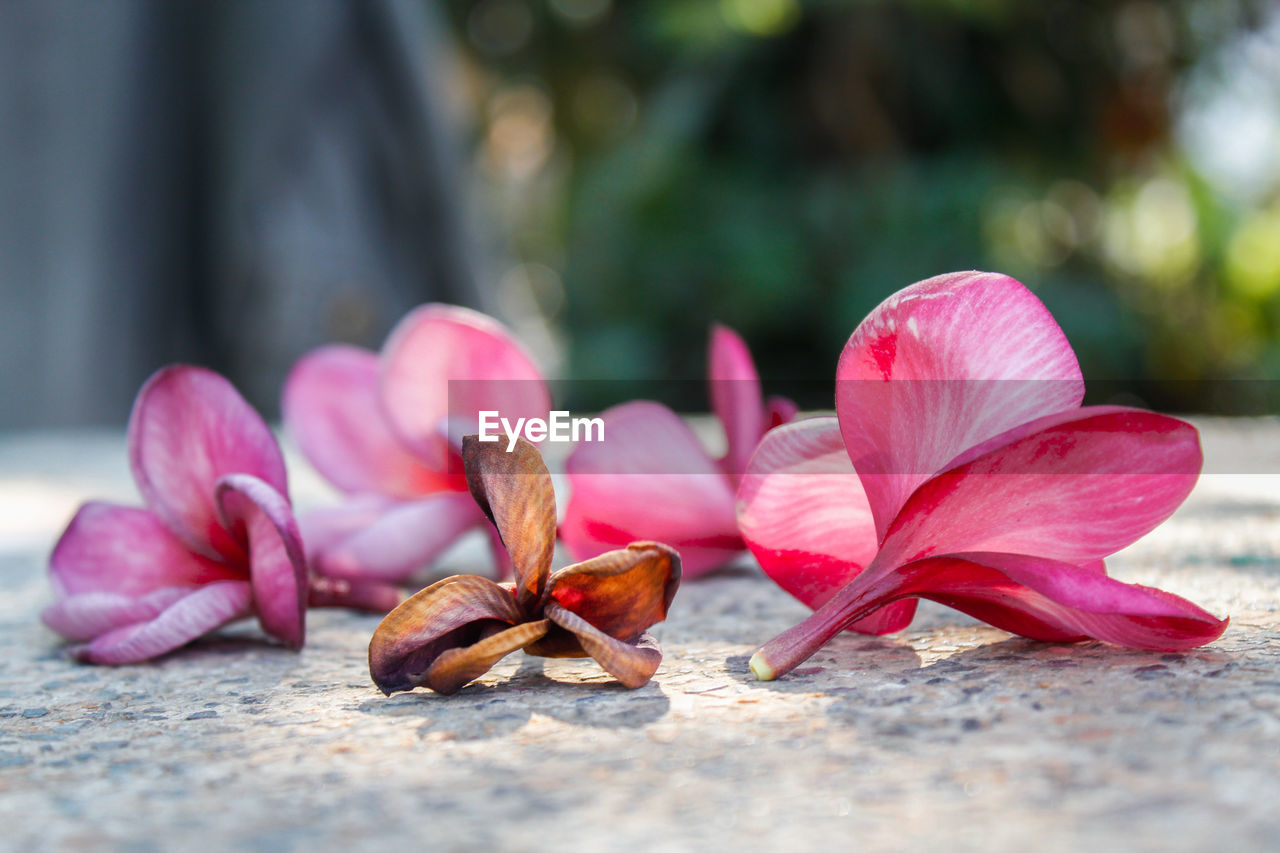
<point>950,735</point>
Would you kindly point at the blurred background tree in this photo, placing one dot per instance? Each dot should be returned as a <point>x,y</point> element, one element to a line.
<point>235,183</point>
<point>781,166</point>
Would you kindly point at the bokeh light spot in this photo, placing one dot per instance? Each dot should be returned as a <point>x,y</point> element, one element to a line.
<point>581,13</point>
<point>520,136</point>
<point>1253,256</point>
<point>760,17</point>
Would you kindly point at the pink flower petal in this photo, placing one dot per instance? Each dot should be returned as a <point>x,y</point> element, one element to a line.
<point>356,594</point>
<point>779,411</point>
<point>1043,599</point>
<point>970,355</point>
<point>277,564</point>
<point>404,539</point>
<point>85,615</point>
<point>650,479</point>
<point>193,615</point>
<point>803,512</point>
<point>805,517</point>
<point>1055,601</point>
<point>891,618</point>
<point>324,527</point>
<point>735,396</point>
<point>1076,491</point>
<point>443,363</point>
<point>126,551</point>
<point>190,427</point>
<point>332,408</point>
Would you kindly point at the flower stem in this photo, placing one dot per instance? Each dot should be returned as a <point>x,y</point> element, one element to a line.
<point>797,644</point>
<point>373,596</point>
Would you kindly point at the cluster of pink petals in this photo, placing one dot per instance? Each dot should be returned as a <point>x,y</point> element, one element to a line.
<point>962,468</point>
<point>215,542</point>
<point>385,429</point>
<point>651,479</point>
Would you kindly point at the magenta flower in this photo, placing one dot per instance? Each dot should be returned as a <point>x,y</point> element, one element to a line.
<point>379,428</point>
<point>216,541</point>
<point>652,479</point>
<point>961,467</point>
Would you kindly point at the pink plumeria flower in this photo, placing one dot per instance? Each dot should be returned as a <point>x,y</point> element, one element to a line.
<point>385,429</point>
<point>215,542</point>
<point>961,467</point>
<point>652,479</point>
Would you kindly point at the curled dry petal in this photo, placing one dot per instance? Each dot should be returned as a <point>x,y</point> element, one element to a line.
<point>632,663</point>
<point>621,592</point>
<point>277,564</point>
<point>451,613</point>
<point>190,427</point>
<point>943,365</point>
<point>457,666</point>
<point>333,410</point>
<point>558,643</point>
<point>514,490</point>
<point>445,363</point>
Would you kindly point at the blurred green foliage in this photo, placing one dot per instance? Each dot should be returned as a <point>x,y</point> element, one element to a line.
<point>782,166</point>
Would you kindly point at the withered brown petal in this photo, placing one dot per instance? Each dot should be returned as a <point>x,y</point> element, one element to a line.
<point>514,490</point>
<point>558,643</point>
<point>453,612</point>
<point>459,666</point>
<point>633,664</point>
<point>621,592</point>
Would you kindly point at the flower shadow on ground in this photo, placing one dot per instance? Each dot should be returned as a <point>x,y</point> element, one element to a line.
<point>486,710</point>
<point>853,658</point>
<point>1114,703</point>
<point>921,685</point>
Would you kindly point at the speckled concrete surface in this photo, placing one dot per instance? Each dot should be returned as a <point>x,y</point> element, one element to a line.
<point>951,735</point>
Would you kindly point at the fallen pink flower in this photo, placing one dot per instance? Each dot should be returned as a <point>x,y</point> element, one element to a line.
<point>378,427</point>
<point>216,541</point>
<point>961,467</point>
<point>652,479</point>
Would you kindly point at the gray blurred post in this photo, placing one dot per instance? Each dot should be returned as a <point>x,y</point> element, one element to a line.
<point>224,182</point>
